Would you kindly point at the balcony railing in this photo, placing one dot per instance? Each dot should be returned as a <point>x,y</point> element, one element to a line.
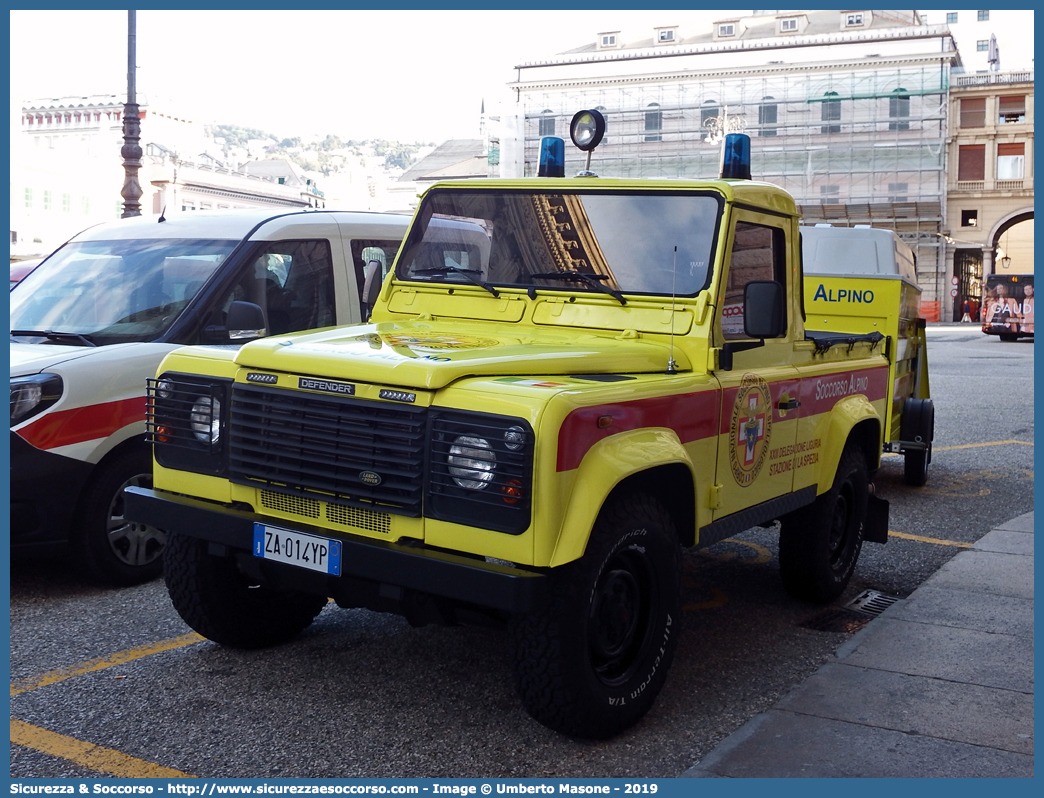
<point>991,78</point>
<point>992,185</point>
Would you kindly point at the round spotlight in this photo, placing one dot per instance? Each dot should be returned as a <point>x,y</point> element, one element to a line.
<point>586,129</point>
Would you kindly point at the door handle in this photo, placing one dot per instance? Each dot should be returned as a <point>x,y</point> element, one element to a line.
<point>789,404</point>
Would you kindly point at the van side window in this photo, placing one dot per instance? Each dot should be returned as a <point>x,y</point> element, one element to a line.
<point>293,283</point>
<point>757,254</point>
<point>365,250</point>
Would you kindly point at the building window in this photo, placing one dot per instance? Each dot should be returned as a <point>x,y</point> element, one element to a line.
<point>853,20</point>
<point>708,111</point>
<point>1012,110</point>
<point>982,45</point>
<point>788,25</point>
<point>898,192</point>
<point>66,203</point>
<point>29,198</point>
<point>899,110</point>
<point>973,112</point>
<point>86,205</point>
<point>984,16</point>
<point>971,162</point>
<point>767,116</point>
<point>969,218</point>
<point>1011,161</point>
<point>951,17</point>
<point>47,200</point>
<point>654,123</point>
<point>547,123</point>
<point>831,112</point>
<point>830,195</point>
<point>665,35</point>
<point>608,40</point>
<point>727,30</point>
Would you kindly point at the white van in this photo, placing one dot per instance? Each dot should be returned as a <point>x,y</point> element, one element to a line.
<point>92,322</point>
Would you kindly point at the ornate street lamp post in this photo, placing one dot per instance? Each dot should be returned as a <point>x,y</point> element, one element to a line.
<point>131,150</point>
<point>719,126</point>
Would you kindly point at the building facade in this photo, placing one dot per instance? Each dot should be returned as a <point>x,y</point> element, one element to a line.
<point>847,110</point>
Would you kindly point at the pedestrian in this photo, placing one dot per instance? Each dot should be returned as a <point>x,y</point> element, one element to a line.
<point>967,312</point>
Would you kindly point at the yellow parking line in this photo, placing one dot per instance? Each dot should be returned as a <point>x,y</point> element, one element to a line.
<point>978,445</point>
<point>936,541</point>
<point>119,658</point>
<point>93,757</point>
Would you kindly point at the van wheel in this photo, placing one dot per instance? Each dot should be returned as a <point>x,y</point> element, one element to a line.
<point>1008,337</point>
<point>216,599</point>
<point>591,662</point>
<point>106,546</point>
<point>820,543</point>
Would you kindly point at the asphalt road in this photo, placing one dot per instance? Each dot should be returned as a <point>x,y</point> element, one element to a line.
<point>361,694</point>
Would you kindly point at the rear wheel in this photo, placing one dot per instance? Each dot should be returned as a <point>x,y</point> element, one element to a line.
<point>107,546</point>
<point>216,599</point>
<point>592,661</point>
<point>819,544</point>
<point>1008,337</point>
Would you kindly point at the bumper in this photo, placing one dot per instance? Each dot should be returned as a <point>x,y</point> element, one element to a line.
<point>45,489</point>
<point>390,566</point>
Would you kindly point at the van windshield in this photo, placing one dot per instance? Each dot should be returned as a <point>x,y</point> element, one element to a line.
<point>635,243</point>
<point>115,291</point>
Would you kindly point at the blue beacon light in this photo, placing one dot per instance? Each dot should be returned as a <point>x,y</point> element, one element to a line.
<point>735,157</point>
<point>552,157</point>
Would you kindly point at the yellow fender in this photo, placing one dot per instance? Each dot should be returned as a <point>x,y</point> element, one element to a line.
<point>608,463</point>
<point>834,429</point>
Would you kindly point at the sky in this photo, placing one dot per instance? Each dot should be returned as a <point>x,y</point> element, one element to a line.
<point>410,75</point>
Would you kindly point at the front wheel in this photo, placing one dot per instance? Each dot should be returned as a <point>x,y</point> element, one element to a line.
<point>820,543</point>
<point>591,662</point>
<point>216,599</point>
<point>107,546</point>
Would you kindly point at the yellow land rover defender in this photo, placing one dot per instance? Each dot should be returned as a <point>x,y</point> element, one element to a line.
<point>564,382</point>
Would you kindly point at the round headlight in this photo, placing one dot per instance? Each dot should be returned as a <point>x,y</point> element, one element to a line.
<point>164,389</point>
<point>205,419</point>
<point>471,462</point>
<point>514,438</point>
<point>586,129</point>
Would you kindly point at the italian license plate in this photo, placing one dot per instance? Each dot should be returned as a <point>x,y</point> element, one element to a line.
<point>294,548</point>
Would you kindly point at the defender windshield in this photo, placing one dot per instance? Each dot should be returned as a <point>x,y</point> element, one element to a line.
<point>114,291</point>
<point>600,242</point>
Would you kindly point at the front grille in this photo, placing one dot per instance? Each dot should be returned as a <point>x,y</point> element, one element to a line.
<point>355,452</point>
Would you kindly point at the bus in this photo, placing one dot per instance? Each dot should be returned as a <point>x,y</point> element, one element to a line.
<point>1007,306</point>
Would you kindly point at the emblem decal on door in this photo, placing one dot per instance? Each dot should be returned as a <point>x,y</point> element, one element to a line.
<point>750,430</point>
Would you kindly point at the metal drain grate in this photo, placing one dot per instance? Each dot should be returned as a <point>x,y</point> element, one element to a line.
<point>854,615</point>
<point>871,603</point>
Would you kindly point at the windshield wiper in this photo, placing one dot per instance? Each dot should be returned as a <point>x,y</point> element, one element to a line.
<point>583,277</point>
<point>51,335</point>
<point>466,274</point>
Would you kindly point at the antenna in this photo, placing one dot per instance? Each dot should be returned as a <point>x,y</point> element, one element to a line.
<point>671,365</point>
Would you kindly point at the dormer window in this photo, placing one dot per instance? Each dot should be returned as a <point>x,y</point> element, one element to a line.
<point>788,25</point>
<point>606,40</point>
<point>726,30</point>
<point>854,19</point>
<point>666,35</point>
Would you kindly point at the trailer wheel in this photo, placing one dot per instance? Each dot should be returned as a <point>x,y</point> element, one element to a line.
<point>106,546</point>
<point>918,424</point>
<point>591,662</point>
<point>216,599</point>
<point>820,543</point>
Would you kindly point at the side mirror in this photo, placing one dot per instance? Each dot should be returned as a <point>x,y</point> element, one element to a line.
<point>246,321</point>
<point>371,285</point>
<point>763,304</point>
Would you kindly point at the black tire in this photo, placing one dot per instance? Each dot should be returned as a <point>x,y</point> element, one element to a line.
<point>216,599</point>
<point>820,543</point>
<point>591,662</point>
<point>918,424</point>
<point>1008,337</point>
<point>106,546</point>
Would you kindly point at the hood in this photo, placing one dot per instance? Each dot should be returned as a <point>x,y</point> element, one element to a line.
<point>430,354</point>
<point>34,358</point>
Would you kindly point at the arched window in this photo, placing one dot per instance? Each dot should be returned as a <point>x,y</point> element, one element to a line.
<point>899,110</point>
<point>654,123</point>
<point>767,116</point>
<point>547,123</point>
<point>708,111</point>
<point>831,113</point>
